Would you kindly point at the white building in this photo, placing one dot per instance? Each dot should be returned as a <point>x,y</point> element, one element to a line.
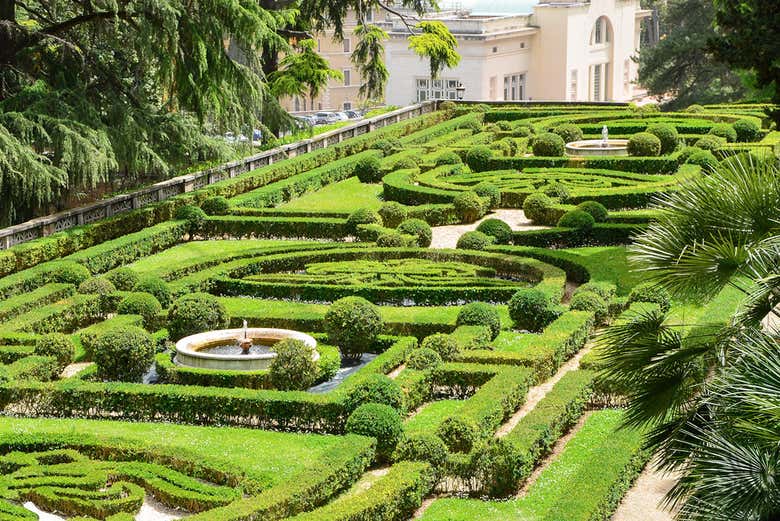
<point>522,50</point>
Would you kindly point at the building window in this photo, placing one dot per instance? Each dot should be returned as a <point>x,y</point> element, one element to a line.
<point>443,88</point>
<point>573,85</point>
<point>522,45</point>
<point>597,82</point>
<point>347,44</point>
<point>347,77</point>
<point>600,32</point>
<point>319,45</point>
<point>347,105</point>
<point>514,87</point>
<point>492,88</point>
<point>495,49</point>
<point>370,15</point>
<point>597,32</point>
<point>297,104</point>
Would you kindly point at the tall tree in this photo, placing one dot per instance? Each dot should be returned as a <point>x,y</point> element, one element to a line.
<point>437,44</point>
<point>368,57</point>
<point>302,72</point>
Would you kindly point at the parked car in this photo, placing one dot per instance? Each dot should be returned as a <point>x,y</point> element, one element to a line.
<point>353,114</point>
<point>232,138</point>
<point>324,118</point>
<point>342,116</point>
<point>306,121</point>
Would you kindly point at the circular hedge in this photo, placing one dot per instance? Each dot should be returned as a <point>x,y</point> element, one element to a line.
<point>123,354</point>
<point>157,287</point>
<point>193,215</point>
<point>590,301</point>
<point>644,144</point>
<point>480,314</point>
<point>579,219</point>
<point>369,169</point>
<point>217,205</point>
<point>557,190</point>
<point>69,272</point>
<point>725,131</point>
<point>380,422</point>
<point>653,293</point>
<point>352,324</point>
<point>97,285</point>
<point>474,240</point>
<point>478,158</point>
<point>419,229</point>
<point>597,210</point>
<point>704,158</point>
<point>569,132</point>
<point>709,142</point>
<point>536,206</point>
<point>746,130</point>
<point>392,213</point>
<point>421,359</point>
<point>468,206</point>
<point>443,344</point>
<point>391,240</point>
<point>293,369</point>
<point>375,388</point>
<point>362,216</point>
<point>667,134</point>
<point>531,309</point>
<point>144,304</point>
<point>196,313</point>
<point>387,145</point>
<point>459,434</point>
<point>496,228</point>
<point>549,145</point>
<point>490,191</point>
<point>56,345</point>
<point>448,158</point>
<point>422,447</point>
<point>124,279</point>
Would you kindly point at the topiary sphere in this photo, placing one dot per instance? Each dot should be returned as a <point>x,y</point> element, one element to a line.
<point>667,134</point>
<point>391,240</point>
<point>196,313</point>
<point>458,433</point>
<point>417,228</point>
<point>422,447</point>
<point>488,190</point>
<point>375,388</point>
<point>123,354</point>
<point>548,145</point>
<point>468,206</point>
<point>653,293</point>
<point>405,163</point>
<point>293,368</point>
<point>471,123</point>
<point>705,159</point>
<point>362,216</point>
<point>604,289</point>
<point>536,206</point>
<point>157,287</point>
<point>353,323</point>
<point>557,190</point>
<point>474,240</point>
<point>694,109</point>
<point>579,219</point>
<point>746,130</point>
<point>480,314</point>
<point>144,304</point>
<point>478,158</point>
<point>522,132</point>
<point>380,422</point>
<point>725,131</point>
<point>504,125</point>
<point>590,301</point>
<point>387,145</point>
<point>709,142</point>
<point>392,214</point>
<point>69,272</point>
<point>124,279</point>
<point>447,105</point>
<point>421,359</point>
<point>58,346</point>
<point>443,344</point>
<point>97,285</point>
<point>496,228</point>
<point>644,144</point>
<point>531,309</point>
<point>569,132</point>
<point>193,215</point>
<point>448,158</point>
<point>217,205</point>
<point>597,210</point>
<point>369,169</point>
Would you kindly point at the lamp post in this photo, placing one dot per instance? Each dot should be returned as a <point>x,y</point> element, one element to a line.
<point>460,90</point>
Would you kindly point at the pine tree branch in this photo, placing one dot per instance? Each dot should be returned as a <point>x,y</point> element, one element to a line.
<point>399,15</point>
<point>85,18</point>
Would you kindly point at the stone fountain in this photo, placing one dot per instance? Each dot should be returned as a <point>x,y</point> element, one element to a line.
<point>598,147</point>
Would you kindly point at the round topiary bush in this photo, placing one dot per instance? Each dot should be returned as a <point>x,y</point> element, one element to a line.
<point>746,130</point>
<point>704,158</point>
<point>216,205</point>
<point>448,105</point>
<point>471,123</point>
<point>293,368</point>
<point>459,434</point>
<point>448,158</point>
<point>97,285</point>
<point>421,359</point>
<point>653,293</point>
<point>531,309</point>
<point>375,388</point>
<point>417,228</point>
<point>196,313</point>
<point>604,289</point>
<point>193,215</point>
<point>489,191</point>
<point>496,228</point>
<point>352,324</point>
<point>695,109</point>
<point>362,216</point>
<point>474,240</point>
<point>380,422</point>
<point>144,304</point>
<point>157,287</point>
<point>392,214</point>
<point>725,131</point>
<point>369,169</point>
<point>391,240</point>
<point>56,345</point>
<point>387,146</point>
<point>709,142</point>
<point>504,125</point>
<point>557,190</point>
<point>468,206</point>
<point>478,158</point>
<point>569,132</point>
<point>548,145</point>
<point>579,219</point>
<point>644,144</point>
<point>590,301</point>
<point>69,272</point>
<point>443,344</point>
<point>536,207</point>
<point>123,354</point>
<point>480,314</point>
<point>422,447</point>
<point>124,279</point>
<point>597,210</point>
<point>522,132</point>
<point>405,163</point>
<point>667,134</point>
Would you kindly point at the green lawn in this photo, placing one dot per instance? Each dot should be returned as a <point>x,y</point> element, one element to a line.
<point>343,197</point>
<point>430,416</point>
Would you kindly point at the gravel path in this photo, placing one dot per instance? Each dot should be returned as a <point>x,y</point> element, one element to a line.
<point>447,236</point>
<point>643,500</point>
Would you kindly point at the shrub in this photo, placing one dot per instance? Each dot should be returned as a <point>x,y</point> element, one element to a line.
<point>405,163</point>
<point>530,309</point>
<point>644,144</point>
<point>157,287</point>
<point>604,289</point>
<point>590,301</point>
<point>569,132</point>
<point>391,240</point>
<point>392,214</point>
<point>124,279</point>
<point>293,368</point>
<point>362,216</point>
<point>704,158</point>
<point>746,130</point>
<point>548,145</point>
<point>448,158</point>
<point>97,285</point>
<point>369,169</point>
<point>217,205</point>
<point>447,105</point>
<point>422,447</point>
<point>536,206</point>
<point>387,145</point>
<point>468,206</point>
<point>725,131</point>
<point>686,152</point>
<point>144,304</point>
<point>123,354</point>
<point>375,388</point>
<point>667,134</point>
<point>380,422</point>
<point>595,209</point>
<point>471,123</point>
<point>480,314</point>
<point>478,158</point>
<point>695,109</point>
<point>557,190</point>
<point>419,229</point>
<point>489,191</point>
<point>504,125</point>
<point>193,215</point>
<point>523,131</point>
<point>56,345</point>
<point>709,142</point>
<point>69,272</point>
<point>474,240</point>
<point>421,359</point>
<point>579,219</point>
<point>443,344</point>
<point>196,313</point>
<point>352,324</point>
<point>654,293</point>
<point>459,434</point>
<point>496,228</point>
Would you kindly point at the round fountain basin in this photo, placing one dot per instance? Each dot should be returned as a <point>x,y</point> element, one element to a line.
<point>221,350</point>
<point>597,147</point>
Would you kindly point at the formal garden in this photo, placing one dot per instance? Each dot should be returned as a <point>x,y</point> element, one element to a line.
<point>472,380</point>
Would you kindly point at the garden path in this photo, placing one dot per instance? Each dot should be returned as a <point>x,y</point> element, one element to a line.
<point>642,502</point>
<point>447,236</point>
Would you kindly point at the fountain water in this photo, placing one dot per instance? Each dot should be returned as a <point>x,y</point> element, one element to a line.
<point>598,147</point>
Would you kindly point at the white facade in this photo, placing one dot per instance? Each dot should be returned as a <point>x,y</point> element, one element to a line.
<point>573,51</point>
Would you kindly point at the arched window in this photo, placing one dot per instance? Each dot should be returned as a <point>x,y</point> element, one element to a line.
<point>602,33</point>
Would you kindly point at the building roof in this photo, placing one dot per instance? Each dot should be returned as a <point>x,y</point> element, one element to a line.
<point>490,7</point>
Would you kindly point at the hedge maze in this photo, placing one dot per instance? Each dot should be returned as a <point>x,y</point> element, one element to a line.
<point>99,419</point>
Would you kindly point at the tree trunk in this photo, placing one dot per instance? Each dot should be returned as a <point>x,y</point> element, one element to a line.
<point>8,10</point>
